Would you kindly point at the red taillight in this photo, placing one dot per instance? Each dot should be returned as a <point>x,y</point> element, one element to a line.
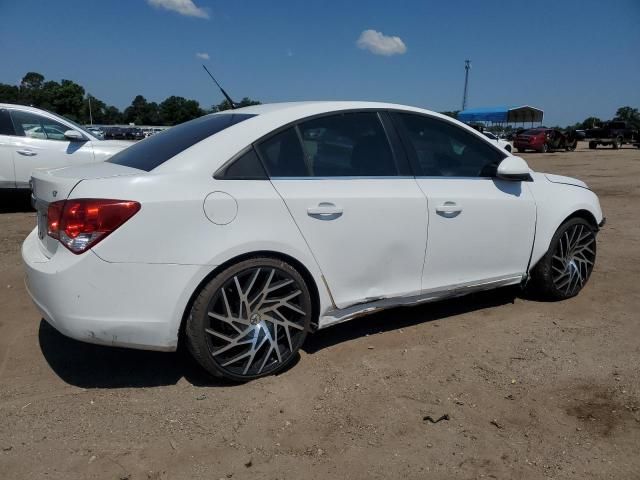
<point>81,223</point>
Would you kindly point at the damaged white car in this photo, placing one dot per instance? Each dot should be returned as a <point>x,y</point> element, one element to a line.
<point>241,232</point>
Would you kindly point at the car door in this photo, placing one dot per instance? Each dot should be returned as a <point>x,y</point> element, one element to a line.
<point>40,143</point>
<point>7,146</point>
<point>481,228</point>
<point>364,221</point>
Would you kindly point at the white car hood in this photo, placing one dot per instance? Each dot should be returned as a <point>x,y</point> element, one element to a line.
<point>565,180</point>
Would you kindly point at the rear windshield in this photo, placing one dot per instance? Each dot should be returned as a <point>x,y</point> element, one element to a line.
<point>157,149</point>
<point>532,132</point>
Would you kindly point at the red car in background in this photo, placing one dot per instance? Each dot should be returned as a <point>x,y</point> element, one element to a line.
<point>544,140</point>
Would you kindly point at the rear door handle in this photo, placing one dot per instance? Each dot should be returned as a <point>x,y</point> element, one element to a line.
<point>325,210</point>
<point>448,208</point>
<point>27,153</point>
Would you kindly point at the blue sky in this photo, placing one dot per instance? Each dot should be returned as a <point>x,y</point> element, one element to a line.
<point>570,58</point>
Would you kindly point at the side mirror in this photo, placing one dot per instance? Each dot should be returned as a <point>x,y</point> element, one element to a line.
<point>74,136</point>
<point>514,168</point>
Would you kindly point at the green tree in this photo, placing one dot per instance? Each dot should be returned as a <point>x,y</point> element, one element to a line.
<point>629,114</point>
<point>9,93</point>
<point>451,113</point>
<point>142,112</point>
<point>591,122</point>
<point>175,110</point>
<point>225,105</point>
<point>31,88</point>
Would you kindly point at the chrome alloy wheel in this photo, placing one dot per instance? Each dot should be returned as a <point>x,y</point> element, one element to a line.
<point>256,321</point>
<point>573,260</point>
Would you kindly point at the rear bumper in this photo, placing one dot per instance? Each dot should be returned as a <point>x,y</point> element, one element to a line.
<point>119,304</point>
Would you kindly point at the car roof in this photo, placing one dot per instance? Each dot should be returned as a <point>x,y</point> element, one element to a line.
<point>267,118</point>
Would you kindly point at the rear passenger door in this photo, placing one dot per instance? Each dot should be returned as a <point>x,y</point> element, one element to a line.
<point>362,215</point>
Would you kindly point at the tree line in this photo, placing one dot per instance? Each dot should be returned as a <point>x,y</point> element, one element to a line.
<point>69,99</point>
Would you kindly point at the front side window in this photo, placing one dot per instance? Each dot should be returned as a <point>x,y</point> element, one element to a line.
<point>342,145</point>
<point>442,149</point>
<point>30,125</point>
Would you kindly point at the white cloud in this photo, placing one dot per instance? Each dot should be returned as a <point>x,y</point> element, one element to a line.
<point>203,55</point>
<point>380,44</point>
<point>183,7</point>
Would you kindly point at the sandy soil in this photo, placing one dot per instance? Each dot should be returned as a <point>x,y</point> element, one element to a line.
<point>532,390</point>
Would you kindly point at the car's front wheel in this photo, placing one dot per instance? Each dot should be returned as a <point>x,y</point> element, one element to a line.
<point>566,267</point>
<point>250,320</point>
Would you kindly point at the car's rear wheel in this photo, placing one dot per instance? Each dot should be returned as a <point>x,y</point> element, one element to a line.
<point>250,320</point>
<point>566,267</point>
<point>592,145</point>
<point>520,150</point>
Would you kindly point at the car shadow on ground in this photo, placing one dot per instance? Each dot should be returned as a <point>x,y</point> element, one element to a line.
<point>94,366</point>
<point>15,201</point>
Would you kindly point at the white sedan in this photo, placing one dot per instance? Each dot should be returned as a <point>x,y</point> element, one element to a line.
<point>508,146</point>
<point>239,233</point>
<point>31,138</point>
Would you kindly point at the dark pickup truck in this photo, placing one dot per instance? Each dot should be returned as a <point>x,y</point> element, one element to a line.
<point>615,133</point>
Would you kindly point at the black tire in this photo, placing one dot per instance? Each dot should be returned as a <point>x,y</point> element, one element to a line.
<point>566,261</point>
<point>520,150</point>
<point>592,145</point>
<point>241,340</point>
<point>508,148</point>
<point>572,146</point>
<point>617,143</point>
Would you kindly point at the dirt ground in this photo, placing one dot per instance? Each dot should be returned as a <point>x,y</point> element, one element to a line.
<point>532,389</point>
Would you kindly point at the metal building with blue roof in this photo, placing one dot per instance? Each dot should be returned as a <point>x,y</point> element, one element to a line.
<point>512,114</point>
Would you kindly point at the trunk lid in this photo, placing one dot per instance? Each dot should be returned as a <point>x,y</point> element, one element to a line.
<point>52,185</point>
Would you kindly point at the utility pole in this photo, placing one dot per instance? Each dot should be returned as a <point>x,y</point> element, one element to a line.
<point>90,116</point>
<point>467,67</point>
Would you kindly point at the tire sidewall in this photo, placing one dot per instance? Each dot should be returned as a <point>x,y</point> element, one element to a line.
<point>196,337</point>
<point>543,274</point>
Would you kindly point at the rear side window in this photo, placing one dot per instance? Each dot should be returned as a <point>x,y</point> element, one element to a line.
<point>157,149</point>
<point>245,167</point>
<point>442,149</point>
<point>343,145</point>
<point>6,127</point>
<point>283,155</point>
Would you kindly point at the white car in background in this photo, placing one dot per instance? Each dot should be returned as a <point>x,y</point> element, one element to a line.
<point>32,138</point>
<point>508,146</point>
<point>240,232</point>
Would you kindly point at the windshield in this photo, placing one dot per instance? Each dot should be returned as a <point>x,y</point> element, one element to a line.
<point>160,147</point>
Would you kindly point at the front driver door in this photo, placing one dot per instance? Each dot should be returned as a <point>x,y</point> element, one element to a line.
<point>365,224</point>
<point>481,228</point>
<point>40,143</point>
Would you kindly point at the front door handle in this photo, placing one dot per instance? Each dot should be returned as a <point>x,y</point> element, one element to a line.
<point>325,211</point>
<point>449,208</point>
<point>27,153</point>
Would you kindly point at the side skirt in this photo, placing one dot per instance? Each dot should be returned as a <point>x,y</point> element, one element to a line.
<point>340,315</point>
